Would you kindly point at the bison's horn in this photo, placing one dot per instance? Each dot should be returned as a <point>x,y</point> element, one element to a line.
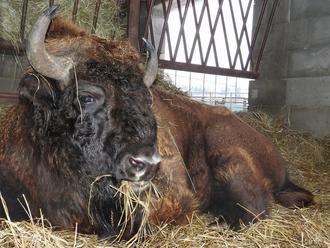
<point>43,62</point>
<point>152,64</point>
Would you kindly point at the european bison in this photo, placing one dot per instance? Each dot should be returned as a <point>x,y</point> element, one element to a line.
<point>85,112</point>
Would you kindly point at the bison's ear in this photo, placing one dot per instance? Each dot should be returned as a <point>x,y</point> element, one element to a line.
<point>37,90</point>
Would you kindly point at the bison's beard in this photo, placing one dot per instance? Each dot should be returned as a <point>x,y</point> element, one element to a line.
<point>120,211</point>
<point>104,207</point>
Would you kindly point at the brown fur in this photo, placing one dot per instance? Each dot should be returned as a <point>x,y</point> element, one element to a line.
<point>211,160</point>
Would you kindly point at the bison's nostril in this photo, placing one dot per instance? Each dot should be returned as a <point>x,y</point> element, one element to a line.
<point>137,164</point>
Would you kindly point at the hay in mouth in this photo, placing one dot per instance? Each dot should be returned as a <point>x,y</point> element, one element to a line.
<point>135,198</point>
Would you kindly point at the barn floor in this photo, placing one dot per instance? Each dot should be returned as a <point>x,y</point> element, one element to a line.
<point>308,163</point>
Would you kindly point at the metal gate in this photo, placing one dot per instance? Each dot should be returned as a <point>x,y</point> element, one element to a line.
<point>220,20</point>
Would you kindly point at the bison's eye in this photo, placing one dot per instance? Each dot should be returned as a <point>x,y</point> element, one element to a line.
<point>86,99</point>
<point>90,96</point>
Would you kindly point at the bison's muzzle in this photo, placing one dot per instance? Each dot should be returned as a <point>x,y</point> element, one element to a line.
<point>140,166</point>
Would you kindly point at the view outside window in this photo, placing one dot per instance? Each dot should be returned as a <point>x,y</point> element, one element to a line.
<point>213,89</point>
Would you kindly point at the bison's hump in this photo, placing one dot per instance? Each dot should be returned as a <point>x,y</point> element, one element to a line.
<point>66,38</point>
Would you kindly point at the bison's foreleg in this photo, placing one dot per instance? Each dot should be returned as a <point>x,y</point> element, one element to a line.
<point>175,206</point>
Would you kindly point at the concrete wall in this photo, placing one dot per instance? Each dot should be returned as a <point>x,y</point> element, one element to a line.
<point>295,69</point>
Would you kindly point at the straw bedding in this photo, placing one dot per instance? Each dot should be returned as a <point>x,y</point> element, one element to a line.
<point>11,11</point>
<point>308,163</point>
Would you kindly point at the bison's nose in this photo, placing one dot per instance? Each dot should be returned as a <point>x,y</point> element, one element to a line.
<point>142,164</point>
<point>137,164</point>
<point>139,167</point>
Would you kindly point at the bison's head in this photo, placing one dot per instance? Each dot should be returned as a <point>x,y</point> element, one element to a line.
<point>99,110</point>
